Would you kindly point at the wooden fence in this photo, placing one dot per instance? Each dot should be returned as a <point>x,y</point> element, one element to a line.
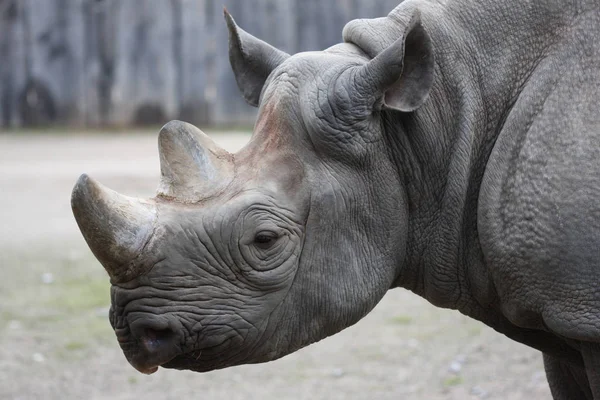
<point>127,62</point>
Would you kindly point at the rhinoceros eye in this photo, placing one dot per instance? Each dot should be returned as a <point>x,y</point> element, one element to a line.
<point>265,239</point>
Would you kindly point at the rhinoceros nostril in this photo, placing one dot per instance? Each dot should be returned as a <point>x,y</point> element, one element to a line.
<point>155,339</point>
<point>151,342</point>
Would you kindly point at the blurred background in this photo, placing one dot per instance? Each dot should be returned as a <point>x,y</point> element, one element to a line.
<point>90,63</point>
<point>84,87</point>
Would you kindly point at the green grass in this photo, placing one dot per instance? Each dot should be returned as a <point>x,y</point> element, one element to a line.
<point>65,312</point>
<point>75,346</point>
<point>475,330</point>
<point>78,295</point>
<point>453,381</point>
<point>79,285</point>
<point>7,316</point>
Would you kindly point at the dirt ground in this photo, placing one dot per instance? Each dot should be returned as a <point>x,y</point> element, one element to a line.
<point>56,342</point>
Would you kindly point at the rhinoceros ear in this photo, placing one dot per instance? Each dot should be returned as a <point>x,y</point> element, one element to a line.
<point>252,60</point>
<point>401,76</point>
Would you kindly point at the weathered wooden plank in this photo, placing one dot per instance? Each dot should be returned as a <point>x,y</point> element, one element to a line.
<point>194,63</point>
<point>230,108</point>
<point>11,62</point>
<point>113,62</point>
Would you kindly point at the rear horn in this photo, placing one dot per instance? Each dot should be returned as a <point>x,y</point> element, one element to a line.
<point>192,166</point>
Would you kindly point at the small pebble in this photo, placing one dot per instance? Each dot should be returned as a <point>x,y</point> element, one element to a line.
<point>38,357</point>
<point>14,325</point>
<point>479,392</point>
<point>47,277</point>
<point>461,358</point>
<point>337,372</point>
<point>455,367</point>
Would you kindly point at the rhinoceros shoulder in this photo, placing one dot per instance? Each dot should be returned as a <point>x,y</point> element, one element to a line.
<point>538,211</point>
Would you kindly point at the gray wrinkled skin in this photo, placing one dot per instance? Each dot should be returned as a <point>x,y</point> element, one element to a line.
<point>451,148</point>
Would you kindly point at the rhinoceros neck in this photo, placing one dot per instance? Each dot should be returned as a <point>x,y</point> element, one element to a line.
<point>442,149</point>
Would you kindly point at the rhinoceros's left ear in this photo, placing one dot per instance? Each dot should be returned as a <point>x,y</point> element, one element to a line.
<point>401,76</point>
<point>252,60</point>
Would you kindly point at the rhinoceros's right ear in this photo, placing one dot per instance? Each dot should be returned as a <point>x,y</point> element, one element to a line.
<point>401,76</point>
<point>252,60</point>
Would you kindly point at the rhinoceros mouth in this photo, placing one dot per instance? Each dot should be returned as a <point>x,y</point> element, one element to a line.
<point>203,360</point>
<point>148,367</point>
<point>173,363</point>
<point>147,370</point>
<point>190,362</point>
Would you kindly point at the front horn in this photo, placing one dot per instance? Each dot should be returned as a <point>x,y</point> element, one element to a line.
<point>115,227</point>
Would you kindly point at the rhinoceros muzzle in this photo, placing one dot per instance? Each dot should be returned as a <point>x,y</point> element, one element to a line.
<point>148,344</point>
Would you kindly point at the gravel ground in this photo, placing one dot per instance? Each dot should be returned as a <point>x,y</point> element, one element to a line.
<point>56,342</point>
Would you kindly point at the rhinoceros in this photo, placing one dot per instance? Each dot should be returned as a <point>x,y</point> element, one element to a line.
<point>450,148</point>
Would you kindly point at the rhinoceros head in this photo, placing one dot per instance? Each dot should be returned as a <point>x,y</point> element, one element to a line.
<point>247,257</point>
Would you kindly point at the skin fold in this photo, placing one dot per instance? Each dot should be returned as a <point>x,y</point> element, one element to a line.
<point>450,148</point>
